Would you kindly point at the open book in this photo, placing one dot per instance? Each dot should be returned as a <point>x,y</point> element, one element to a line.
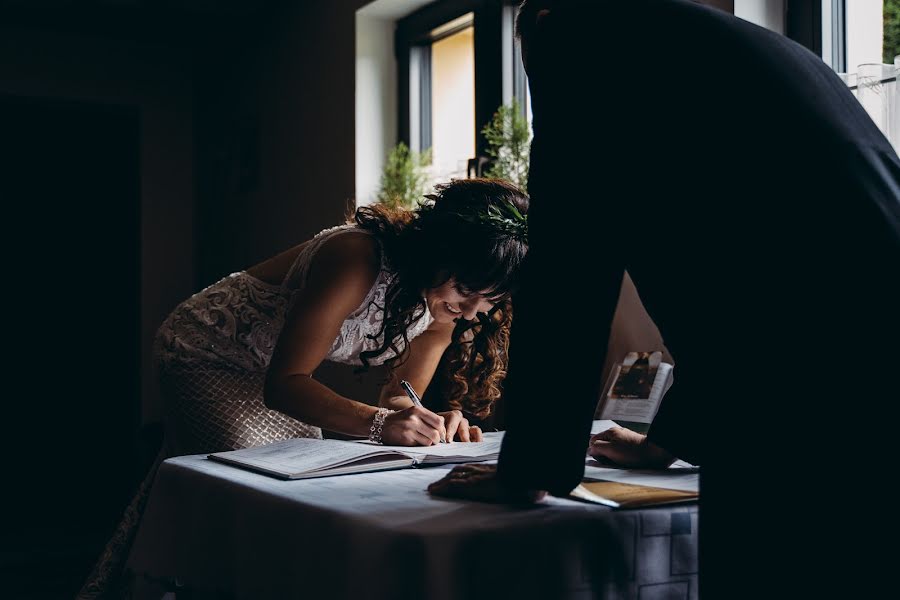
<point>303,458</point>
<point>636,388</point>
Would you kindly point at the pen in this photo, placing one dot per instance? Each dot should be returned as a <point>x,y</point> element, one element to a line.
<point>415,398</point>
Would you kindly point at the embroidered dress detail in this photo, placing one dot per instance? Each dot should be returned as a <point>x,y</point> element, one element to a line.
<point>213,351</point>
<point>215,347</point>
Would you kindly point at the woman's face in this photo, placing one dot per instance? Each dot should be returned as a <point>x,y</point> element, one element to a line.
<point>447,303</point>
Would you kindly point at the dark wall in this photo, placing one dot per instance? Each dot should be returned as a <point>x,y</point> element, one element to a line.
<point>71,191</point>
<point>246,130</point>
<point>276,137</point>
<point>153,80</point>
<point>239,126</point>
<point>97,141</point>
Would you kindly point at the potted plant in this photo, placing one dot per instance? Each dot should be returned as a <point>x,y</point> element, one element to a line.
<point>404,180</point>
<point>509,144</point>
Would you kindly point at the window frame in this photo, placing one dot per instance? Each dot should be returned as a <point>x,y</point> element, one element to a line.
<point>806,21</point>
<point>838,58</point>
<point>415,31</point>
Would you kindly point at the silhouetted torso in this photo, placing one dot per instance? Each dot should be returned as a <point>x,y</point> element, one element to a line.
<point>755,206</point>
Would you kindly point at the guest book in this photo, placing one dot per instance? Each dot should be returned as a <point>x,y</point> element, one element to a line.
<point>303,458</point>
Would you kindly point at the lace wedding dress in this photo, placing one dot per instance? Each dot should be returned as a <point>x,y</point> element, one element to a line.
<point>213,351</point>
<point>215,347</point>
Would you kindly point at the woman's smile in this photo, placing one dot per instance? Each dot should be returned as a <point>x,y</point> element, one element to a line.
<point>447,303</point>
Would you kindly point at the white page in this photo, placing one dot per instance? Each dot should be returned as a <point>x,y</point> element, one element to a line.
<point>600,425</point>
<point>484,450</point>
<point>301,455</point>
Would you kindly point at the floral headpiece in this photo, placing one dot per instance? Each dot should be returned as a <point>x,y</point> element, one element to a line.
<point>503,217</point>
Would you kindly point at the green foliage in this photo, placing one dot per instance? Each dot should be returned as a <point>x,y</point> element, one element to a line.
<point>509,144</point>
<point>404,180</point>
<point>891,14</point>
<point>503,217</point>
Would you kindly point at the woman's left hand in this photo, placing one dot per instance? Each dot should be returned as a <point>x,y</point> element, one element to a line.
<point>458,427</point>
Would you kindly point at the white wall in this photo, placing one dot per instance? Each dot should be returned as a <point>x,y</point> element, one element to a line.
<point>765,13</point>
<point>376,90</point>
<point>376,102</point>
<point>864,33</point>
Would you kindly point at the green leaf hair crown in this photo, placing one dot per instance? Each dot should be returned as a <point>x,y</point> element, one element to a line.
<point>503,217</point>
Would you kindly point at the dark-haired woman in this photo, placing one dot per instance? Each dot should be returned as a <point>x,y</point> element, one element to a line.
<point>394,286</point>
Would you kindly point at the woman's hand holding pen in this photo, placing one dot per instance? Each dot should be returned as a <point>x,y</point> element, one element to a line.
<point>449,424</point>
<point>413,426</point>
<point>417,426</point>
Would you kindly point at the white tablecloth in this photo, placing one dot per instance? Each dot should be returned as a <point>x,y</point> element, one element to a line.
<point>380,535</point>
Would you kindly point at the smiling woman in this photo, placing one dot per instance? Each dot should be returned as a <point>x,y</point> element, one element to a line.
<point>456,258</point>
<point>403,288</point>
<point>396,287</point>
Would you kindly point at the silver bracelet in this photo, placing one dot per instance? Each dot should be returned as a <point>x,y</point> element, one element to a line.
<point>378,425</point>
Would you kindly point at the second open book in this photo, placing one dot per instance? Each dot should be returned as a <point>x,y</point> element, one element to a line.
<point>304,458</point>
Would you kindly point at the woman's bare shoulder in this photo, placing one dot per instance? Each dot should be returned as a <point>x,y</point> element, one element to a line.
<point>352,247</point>
<point>274,270</point>
<point>353,250</point>
<point>348,263</point>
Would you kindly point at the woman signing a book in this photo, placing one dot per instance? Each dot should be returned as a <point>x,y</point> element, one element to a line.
<point>397,287</point>
<point>406,288</point>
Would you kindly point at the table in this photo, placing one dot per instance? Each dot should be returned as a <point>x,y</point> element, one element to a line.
<point>238,534</point>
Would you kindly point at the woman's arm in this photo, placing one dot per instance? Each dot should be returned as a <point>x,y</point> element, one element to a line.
<point>341,275</point>
<point>425,353</point>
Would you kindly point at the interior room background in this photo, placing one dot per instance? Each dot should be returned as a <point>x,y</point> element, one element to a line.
<point>150,148</point>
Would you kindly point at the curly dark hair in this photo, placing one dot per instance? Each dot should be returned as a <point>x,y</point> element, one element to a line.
<point>474,232</point>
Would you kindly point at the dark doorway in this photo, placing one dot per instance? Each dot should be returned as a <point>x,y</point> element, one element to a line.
<point>70,195</point>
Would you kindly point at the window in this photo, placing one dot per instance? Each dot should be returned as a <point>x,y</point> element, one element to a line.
<point>442,102</point>
<point>864,47</point>
<point>445,96</point>
<point>846,34</point>
<point>861,42</point>
<point>515,82</point>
